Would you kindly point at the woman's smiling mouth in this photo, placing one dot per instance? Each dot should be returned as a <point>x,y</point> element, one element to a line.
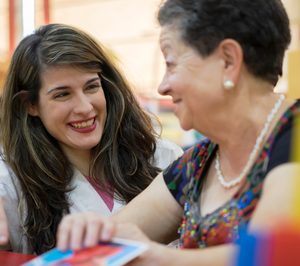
<point>83,124</point>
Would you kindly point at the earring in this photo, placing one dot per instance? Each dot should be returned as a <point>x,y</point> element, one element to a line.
<point>228,84</point>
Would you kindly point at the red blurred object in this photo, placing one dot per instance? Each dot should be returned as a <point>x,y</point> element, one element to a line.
<point>11,25</point>
<point>285,249</point>
<point>13,259</point>
<point>47,11</point>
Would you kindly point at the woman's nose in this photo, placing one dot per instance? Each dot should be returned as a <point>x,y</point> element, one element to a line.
<point>163,87</point>
<point>83,104</point>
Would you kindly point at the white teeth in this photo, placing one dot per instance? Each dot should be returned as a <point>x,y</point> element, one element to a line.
<point>83,124</point>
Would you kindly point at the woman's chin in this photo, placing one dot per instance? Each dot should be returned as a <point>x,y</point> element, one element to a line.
<point>185,126</point>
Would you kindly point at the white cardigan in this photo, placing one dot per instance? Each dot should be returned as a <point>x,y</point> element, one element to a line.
<point>83,198</point>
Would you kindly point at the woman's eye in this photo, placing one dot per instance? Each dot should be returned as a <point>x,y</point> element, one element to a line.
<point>93,87</point>
<point>61,95</point>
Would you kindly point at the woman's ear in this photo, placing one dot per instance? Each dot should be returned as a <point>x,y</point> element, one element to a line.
<point>232,55</point>
<point>32,109</point>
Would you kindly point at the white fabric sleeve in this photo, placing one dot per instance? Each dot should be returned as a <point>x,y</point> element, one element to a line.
<point>166,152</point>
<point>9,192</point>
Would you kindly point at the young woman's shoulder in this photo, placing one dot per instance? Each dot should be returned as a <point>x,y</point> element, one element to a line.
<point>9,185</point>
<point>166,152</point>
<point>10,192</point>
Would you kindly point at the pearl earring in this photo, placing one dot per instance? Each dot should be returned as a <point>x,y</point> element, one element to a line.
<point>228,84</point>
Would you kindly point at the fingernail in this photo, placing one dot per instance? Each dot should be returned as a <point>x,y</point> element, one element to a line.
<point>105,235</point>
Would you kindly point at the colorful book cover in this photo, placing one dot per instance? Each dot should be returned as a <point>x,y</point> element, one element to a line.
<point>115,253</point>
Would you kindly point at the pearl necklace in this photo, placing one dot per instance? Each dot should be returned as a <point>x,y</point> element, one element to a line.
<point>252,156</point>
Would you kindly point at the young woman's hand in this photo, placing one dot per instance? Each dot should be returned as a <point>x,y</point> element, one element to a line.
<point>84,230</point>
<point>3,225</point>
<point>87,229</point>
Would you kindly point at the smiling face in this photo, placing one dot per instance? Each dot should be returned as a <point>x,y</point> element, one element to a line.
<point>72,107</point>
<point>193,82</point>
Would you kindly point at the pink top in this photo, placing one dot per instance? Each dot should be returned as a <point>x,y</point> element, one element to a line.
<point>108,199</point>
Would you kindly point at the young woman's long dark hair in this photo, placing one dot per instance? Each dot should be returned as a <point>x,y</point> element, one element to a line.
<point>122,159</point>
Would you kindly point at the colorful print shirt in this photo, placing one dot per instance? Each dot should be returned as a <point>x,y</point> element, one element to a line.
<point>185,176</point>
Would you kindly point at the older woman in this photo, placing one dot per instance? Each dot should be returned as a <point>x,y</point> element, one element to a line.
<point>223,59</point>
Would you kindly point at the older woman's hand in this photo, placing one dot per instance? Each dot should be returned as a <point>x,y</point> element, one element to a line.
<point>84,230</point>
<point>3,225</point>
<point>156,255</point>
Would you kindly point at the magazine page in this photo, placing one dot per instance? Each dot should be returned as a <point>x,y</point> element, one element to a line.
<point>115,253</point>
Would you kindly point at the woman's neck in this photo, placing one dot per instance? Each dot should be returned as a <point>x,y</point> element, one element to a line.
<point>242,136</point>
<point>80,159</point>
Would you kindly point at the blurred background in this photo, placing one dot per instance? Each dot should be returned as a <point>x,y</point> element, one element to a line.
<point>129,30</point>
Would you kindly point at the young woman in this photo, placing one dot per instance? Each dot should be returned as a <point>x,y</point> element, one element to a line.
<point>74,137</point>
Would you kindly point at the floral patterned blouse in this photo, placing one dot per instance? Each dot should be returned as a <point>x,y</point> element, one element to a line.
<point>185,176</point>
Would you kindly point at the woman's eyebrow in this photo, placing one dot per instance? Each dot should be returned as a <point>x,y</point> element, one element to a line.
<point>92,80</point>
<point>66,87</point>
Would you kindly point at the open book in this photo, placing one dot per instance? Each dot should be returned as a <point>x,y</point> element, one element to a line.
<point>115,253</point>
